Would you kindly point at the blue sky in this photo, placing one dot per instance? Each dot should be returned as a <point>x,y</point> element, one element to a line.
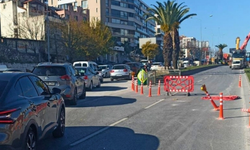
<point>230,19</point>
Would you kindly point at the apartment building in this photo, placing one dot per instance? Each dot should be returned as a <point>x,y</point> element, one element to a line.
<point>125,18</point>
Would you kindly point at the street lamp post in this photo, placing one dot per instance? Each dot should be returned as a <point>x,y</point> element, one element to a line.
<point>48,32</point>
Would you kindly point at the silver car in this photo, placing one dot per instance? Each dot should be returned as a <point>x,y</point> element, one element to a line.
<point>63,76</point>
<point>104,70</point>
<point>92,79</point>
<point>120,71</point>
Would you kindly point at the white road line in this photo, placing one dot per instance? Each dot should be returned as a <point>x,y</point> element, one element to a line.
<point>154,104</point>
<point>97,132</point>
<point>199,81</point>
<point>205,78</point>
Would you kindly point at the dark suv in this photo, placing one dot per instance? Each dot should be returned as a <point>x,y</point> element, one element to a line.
<point>63,76</point>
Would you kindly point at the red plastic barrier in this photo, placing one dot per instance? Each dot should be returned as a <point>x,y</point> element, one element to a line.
<point>225,98</point>
<point>179,84</point>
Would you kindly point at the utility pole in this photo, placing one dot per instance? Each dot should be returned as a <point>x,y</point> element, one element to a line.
<point>48,32</point>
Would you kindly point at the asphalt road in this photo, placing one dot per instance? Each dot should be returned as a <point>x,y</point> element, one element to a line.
<point>113,117</point>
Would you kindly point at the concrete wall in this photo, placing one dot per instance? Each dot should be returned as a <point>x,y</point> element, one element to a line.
<point>20,66</point>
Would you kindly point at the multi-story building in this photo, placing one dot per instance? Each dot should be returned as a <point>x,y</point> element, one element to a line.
<point>125,18</point>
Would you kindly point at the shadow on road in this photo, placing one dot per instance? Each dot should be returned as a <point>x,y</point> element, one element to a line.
<point>98,101</point>
<point>108,138</point>
<point>115,81</point>
<point>107,88</point>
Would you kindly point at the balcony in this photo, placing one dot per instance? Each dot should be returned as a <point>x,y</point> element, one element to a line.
<point>61,2</point>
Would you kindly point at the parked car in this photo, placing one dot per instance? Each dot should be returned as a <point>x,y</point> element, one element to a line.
<point>92,79</point>
<point>63,76</point>
<point>3,68</point>
<point>104,70</point>
<point>157,66</point>
<point>135,67</point>
<point>28,111</point>
<point>120,71</point>
<point>91,64</point>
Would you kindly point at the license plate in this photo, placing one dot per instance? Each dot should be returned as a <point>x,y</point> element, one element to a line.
<point>118,75</point>
<point>50,83</point>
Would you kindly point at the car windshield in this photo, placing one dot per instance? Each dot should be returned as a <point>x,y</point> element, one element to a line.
<point>49,71</point>
<point>101,67</point>
<point>119,67</point>
<point>81,70</point>
<point>2,86</point>
<point>236,62</point>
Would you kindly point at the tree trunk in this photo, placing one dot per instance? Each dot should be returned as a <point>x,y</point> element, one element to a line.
<point>176,48</point>
<point>167,49</point>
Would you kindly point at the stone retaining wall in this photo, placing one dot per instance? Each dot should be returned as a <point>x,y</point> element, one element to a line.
<point>20,66</point>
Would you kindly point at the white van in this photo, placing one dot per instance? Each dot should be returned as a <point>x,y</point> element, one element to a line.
<point>90,64</point>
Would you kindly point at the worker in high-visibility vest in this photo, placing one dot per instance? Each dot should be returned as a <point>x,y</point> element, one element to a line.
<point>142,76</point>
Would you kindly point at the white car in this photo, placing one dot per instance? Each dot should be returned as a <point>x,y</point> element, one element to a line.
<point>104,70</point>
<point>120,71</point>
<point>156,66</point>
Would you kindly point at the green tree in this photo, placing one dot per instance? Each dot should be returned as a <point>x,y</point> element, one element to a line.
<point>149,50</point>
<point>221,47</point>
<point>169,15</point>
<point>179,13</point>
<point>162,15</point>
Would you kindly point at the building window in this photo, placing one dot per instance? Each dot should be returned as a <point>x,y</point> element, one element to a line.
<point>4,6</point>
<point>96,9</point>
<point>76,18</point>
<point>75,5</point>
<point>51,2</point>
<point>96,1</point>
<point>84,4</point>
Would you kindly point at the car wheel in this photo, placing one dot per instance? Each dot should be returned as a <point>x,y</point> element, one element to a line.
<point>59,131</point>
<point>91,86</point>
<point>111,79</point>
<point>30,140</point>
<point>106,75</point>
<point>74,100</point>
<point>83,96</point>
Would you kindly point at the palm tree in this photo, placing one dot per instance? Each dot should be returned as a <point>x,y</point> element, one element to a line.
<point>179,15</point>
<point>161,14</point>
<point>169,15</point>
<point>221,47</point>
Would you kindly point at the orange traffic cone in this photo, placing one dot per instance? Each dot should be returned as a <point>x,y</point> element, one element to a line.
<point>240,81</point>
<point>150,90</point>
<point>136,87</point>
<point>132,84</point>
<point>221,106</point>
<point>141,88</point>
<point>159,88</point>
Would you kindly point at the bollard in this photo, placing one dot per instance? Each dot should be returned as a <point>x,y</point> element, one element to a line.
<point>248,111</point>
<point>221,106</point>
<point>159,88</point>
<point>203,88</point>
<point>132,84</point>
<point>136,87</point>
<point>150,90</point>
<point>141,87</point>
<point>240,81</point>
<point>212,102</point>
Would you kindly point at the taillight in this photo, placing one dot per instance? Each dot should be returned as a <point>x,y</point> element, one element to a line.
<point>112,71</point>
<point>125,70</point>
<point>5,116</point>
<point>85,77</point>
<point>65,77</point>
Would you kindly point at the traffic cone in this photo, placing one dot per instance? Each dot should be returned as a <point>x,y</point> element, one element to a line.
<point>159,88</point>
<point>141,87</point>
<point>221,106</point>
<point>212,102</point>
<point>136,87</point>
<point>132,84</point>
<point>150,90</point>
<point>240,81</point>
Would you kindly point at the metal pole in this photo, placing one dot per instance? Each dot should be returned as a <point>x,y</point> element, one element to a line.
<point>48,32</point>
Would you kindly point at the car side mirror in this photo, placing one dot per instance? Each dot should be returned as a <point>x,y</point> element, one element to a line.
<point>56,91</point>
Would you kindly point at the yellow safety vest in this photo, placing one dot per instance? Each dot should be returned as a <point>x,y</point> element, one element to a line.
<point>142,76</point>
